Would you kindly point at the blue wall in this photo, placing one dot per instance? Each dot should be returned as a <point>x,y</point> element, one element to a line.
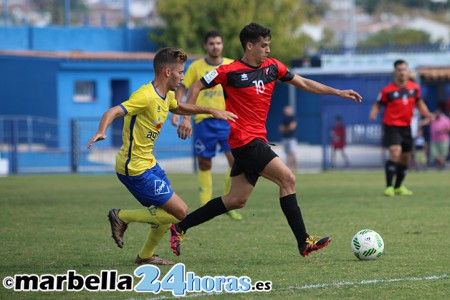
<point>28,86</point>
<point>76,38</point>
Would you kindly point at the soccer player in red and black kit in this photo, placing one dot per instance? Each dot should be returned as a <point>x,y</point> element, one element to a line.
<point>398,99</point>
<point>248,84</point>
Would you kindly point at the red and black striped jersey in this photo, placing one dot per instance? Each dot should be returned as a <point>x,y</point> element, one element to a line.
<point>399,103</point>
<point>248,91</point>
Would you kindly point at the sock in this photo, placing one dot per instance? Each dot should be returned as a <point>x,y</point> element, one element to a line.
<point>401,173</point>
<point>390,170</point>
<point>212,209</point>
<point>205,186</point>
<point>154,237</point>
<point>153,214</point>
<point>294,217</point>
<point>227,185</point>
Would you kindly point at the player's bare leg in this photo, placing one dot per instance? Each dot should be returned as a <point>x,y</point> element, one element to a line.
<point>233,214</point>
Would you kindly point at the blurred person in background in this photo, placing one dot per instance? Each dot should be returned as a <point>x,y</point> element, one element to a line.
<point>439,131</point>
<point>338,141</point>
<point>287,129</point>
<point>208,132</point>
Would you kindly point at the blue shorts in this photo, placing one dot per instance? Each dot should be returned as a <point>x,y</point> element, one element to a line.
<point>207,134</point>
<point>150,188</point>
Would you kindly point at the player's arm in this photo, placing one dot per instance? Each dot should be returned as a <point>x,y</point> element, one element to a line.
<point>181,90</point>
<point>106,120</point>
<point>315,87</point>
<point>374,111</point>
<point>188,109</point>
<point>424,111</point>
<point>185,128</point>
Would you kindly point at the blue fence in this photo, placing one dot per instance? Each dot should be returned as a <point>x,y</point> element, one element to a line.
<point>29,144</point>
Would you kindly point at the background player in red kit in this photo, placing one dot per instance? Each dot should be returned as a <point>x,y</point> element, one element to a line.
<point>398,98</point>
<point>338,141</point>
<point>248,84</point>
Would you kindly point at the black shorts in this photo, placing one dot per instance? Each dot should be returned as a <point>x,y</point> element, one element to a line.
<point>251,159</point>
<point>398,135</point>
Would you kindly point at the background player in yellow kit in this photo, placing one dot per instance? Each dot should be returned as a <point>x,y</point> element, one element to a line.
<point>208,132</point>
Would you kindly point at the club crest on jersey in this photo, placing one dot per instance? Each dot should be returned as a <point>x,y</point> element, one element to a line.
<point>405,99</point>
<point>244,77</point>
<point>159,109</point>
<point>266,70</point>
<point>210,76</point>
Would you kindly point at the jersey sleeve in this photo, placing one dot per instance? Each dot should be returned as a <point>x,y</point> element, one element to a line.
<point>173,103</point>
<point>190,77</point>
<point>382,97</point>
<point>215,77</point>
<point>418,95</point>
<point>137,103</point>
<point>283,72</point>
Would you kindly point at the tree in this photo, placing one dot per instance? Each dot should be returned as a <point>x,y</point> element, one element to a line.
<point>188,20</point>
<point>397,37</point>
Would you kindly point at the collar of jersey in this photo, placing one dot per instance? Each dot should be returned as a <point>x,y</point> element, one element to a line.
<point>154,87</point>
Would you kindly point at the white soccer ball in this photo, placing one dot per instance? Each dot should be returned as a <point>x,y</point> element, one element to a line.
<point>367,244</point>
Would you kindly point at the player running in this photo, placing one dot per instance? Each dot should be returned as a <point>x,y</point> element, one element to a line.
<point>248,84</point>
<point>208,132</point>
<point>144,114</point>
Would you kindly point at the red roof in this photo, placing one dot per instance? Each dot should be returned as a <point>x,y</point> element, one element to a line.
<point>81,55</point>
<point>435,73</point>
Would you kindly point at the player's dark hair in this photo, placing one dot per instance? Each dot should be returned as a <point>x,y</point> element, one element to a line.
<point>211,34</point>
<point>168,56</point>
<point>399,62</point>
<point>252,32</point>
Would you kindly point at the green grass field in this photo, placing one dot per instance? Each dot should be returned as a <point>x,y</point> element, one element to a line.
<point>51,224</point>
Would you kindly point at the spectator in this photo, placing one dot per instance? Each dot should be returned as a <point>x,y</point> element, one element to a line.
<point>439,129</point>
<point>287,129</point>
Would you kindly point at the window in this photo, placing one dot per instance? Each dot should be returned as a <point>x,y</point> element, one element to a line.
<point>84,91</point>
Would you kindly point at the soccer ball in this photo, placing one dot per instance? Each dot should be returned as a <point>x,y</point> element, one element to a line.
<point>367,244</point>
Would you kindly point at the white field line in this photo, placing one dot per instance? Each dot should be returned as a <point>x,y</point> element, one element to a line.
<point>316,286</point>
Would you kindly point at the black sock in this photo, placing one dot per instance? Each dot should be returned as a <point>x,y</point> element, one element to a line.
<point>401,173</point>
<point>294,217</point>
<point>390,170</point>
<point>205,213</point>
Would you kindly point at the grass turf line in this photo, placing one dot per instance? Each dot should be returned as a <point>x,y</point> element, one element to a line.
<point>54,223</point>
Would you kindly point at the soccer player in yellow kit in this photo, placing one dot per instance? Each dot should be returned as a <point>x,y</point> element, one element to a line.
<point>144,114</point>
<point>208,132</point>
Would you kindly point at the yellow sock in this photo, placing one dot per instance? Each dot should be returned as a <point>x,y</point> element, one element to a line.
<point>227,185</point>
<point>154,237</point>
<point>153,215</point>
<point>205,186</point>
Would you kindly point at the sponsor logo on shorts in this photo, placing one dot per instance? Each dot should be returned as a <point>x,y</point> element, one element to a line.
<point>161,187</point>
<point>199,146</point>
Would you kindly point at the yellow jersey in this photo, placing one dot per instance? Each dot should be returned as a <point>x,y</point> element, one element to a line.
<point>146,111</point>
<point>212,97</point>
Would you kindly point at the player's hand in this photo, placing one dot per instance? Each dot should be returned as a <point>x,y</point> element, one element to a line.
<point>350,94</point>
<point>97,137</point>
<point>224,115</point>
<point>373,115</point>
<point>175,119</point>
<point>184,129</point>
